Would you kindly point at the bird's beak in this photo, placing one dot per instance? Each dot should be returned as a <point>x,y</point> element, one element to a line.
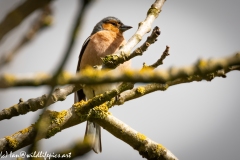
<point>123,27</point>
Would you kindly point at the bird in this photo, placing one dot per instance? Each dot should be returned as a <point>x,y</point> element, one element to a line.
<point>105,39</point>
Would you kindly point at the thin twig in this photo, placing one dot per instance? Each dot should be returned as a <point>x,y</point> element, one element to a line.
<point>18,14</point>
<point>160,60</point>
<point>112,61</point>
<point>42,21</point>
<point>150,40</point>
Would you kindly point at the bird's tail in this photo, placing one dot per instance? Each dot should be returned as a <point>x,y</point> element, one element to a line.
<point>93,136</point>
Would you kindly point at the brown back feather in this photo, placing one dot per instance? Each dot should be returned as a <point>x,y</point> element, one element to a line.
<point>79,94</point>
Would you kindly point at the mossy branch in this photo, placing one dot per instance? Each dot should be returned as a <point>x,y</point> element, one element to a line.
<point>80,112</point>
<point>33,104</point>
<point>96,109</point>
<point>57,121</point>
<point>140,91</point>
<point>203,68</point>
<point>145,146</point>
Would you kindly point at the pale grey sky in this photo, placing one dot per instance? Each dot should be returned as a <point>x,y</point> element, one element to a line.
<point>196,121</point>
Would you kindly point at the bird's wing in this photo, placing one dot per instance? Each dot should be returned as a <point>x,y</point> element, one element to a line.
<point>79,95</point>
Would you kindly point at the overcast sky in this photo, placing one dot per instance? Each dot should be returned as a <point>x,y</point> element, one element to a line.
<point>199,120</point>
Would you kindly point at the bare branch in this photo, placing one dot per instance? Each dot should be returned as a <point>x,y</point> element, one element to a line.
<point>43,20</point>
<point>150,40</point>
<point>160,61</point>
<point>17,15</point>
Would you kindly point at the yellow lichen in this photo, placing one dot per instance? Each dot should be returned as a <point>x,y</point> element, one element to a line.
<point>141,136</point>
<point>40,77</point>
<point>89,71</point>
<point>153,11</point>
<point>48,20</point>
<point>145,66</point>
<point>111,61</point>
<point>100,111</point>
<point>160,149</point>
<point>58,117</point>
<point>129,73</point>
<point>9,79</point>
<point>138,37</point>
<point>79,104</point>
<point>64,77</point>
<point>159,146</point>
<point>202,63</point>
<point>110,58</point>
<point>25,130</point>
<point>147,71</point>
<point>140,90</point>
<point>77,107</point>
<point>11,142</point>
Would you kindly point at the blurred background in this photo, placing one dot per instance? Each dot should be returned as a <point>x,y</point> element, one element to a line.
<point>198,120</point>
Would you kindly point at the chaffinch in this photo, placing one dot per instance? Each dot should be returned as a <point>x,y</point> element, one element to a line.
<point>106,38</point>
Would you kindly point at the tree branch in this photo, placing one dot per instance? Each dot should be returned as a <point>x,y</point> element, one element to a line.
<point>17,15</point>
<point>42,21</point>
<point>112,61</point>
<point>57,121</point>
<point>160,60</point>
<point>34,104</point>
<point>145,146</point>
<point>43,119</point>
<point>80,112</point>
<point>91,76</point>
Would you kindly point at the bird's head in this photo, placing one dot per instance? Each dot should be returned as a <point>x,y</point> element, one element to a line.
<point>110,24</point>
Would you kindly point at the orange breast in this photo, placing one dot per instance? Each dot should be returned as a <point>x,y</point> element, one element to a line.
<point>101,44</point>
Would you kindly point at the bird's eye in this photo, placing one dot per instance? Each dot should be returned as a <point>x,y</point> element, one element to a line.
<point>114,24</point>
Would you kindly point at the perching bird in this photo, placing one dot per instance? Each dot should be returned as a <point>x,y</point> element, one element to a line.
<point>106,38</point>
